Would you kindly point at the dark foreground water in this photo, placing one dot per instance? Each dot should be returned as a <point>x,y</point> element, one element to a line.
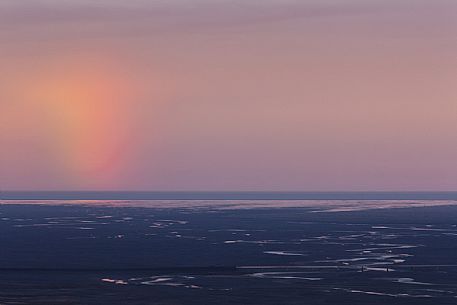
<point>228,252</point>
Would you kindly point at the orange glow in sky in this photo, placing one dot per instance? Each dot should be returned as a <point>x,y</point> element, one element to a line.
<point>208,95</point>
<point>84,105</point>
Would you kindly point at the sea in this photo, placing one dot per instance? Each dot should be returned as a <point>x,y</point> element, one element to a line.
<point>146,248</point>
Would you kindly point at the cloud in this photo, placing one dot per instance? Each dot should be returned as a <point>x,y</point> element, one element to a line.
<point>176,13</point>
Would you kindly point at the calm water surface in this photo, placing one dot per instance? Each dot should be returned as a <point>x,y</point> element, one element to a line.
<point>228,251</point>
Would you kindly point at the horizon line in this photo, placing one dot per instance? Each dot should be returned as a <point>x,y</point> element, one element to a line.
<point>228,195</point>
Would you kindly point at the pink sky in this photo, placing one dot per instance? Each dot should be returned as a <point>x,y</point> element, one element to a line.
<point>228,95</point>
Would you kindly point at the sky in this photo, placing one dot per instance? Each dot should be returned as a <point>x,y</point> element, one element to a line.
<point>279,95</point>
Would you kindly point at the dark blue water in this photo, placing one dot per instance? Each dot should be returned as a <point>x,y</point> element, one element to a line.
<point>83,253</point>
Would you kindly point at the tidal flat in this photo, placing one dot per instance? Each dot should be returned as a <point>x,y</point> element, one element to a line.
<point>228,252</point>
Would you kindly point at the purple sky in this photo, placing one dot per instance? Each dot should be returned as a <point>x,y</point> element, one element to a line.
<point>228,95</point>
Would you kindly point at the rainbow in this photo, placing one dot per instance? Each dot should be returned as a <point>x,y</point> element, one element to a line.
<point>83,104</point>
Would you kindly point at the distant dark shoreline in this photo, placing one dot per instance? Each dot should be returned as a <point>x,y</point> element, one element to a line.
<point>126,195</point>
